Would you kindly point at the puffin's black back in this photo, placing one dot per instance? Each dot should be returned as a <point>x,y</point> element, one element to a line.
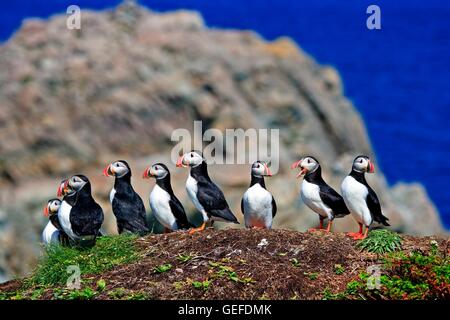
<point>86,216</point>
<point>210,196</point>
<point>128,207</point>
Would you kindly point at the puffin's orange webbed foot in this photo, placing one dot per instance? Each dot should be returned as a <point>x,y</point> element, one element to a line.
<point>194,230</point>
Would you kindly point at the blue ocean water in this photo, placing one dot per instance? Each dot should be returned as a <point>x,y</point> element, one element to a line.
<point>398,77</point>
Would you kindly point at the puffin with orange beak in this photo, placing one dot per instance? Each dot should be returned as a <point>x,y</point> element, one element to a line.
<point>257,204</point>
<point>359,197</point>
<point>317,194</point>
<point>80,216</point>
<point>204,193</point>
<point>166,207</point>
<point>127,205</point>
<point>53,232</point>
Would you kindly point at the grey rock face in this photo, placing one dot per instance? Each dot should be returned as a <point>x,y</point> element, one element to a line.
<point>73,100</point>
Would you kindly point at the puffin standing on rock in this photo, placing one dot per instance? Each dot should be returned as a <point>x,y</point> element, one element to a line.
<point>166,207</point>
<point>360,198</point>
<point>205,194</point>
<point>53,232</point>
<point>80,216</point>
<point>127,205</point>
<point>258,205</point>
<point>317,194</point>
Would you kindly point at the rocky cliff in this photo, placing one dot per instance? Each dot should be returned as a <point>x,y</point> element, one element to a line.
<point>74,100</point>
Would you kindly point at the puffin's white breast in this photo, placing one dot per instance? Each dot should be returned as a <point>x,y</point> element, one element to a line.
<point>159,202</point>
<point>112,194</point>
<point>50,234</point>
<point>192,188</point>
<point>64,219</point>
<point>355,195</point>
<point>310,194</point>
<point>257,207</point>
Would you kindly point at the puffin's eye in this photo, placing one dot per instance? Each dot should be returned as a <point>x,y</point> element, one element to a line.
<point>192,155</point>
<point>309,161</point>
<point>361,161</point>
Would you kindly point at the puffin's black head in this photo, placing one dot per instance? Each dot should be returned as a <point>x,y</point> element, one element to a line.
<point>306,164</point>
<point>77,183</point>
<point>260,169</point>
<point>118,169</point>
<point>190,159</point>
<point>363,164</point>
<point>52,207</point>
<point>157,171</point>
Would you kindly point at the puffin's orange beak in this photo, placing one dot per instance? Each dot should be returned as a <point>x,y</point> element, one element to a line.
<point>147,173</point>
<point>180,162</point>
<point>59,192</point>
<point>108,172</point>
<point>62,189</point>
<point>46,211</point>
<point>268,172</point>
<point>295,164</point>
<point>371,167</point>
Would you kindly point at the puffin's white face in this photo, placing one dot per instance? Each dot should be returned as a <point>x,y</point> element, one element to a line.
<point>76,183</point>
<point>363,164</point>
<point>191,159</point>
<point>260,168</point>
<point>306,165</point>
<point>116,169</point>
<point>52,207</point>
<point>158,171</point>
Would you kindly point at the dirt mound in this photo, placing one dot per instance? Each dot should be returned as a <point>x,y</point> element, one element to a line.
<point>238,264</point>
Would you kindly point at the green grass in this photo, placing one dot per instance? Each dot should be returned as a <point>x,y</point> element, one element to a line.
<point>295,262</point>
<point>183,258</point>
<point>201,285</point>
<point>107,253</point>
<point>417,276</point>
<point>411,276</point>
<point>163,268</point>
<point>381,241</point>
<point>339,269</point>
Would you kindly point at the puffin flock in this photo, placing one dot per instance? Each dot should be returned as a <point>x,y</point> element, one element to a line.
<point>76,218</point>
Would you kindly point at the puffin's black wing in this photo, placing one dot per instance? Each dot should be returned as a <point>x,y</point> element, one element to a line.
<point>130,214</point>
<point>333,200</point>
<point>375,208</point>
<point>274,207</point>
<point>178,211</point>
<point>86,219</point>
<point>55,221</point>
<point>213,200</point>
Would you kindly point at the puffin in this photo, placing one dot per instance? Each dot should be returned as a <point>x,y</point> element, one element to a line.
<point>127,205</point>
<point>53,232</point>
<point>258,205</point>
<point>80,216</point>
<point>317,194</point>
<point>166,207</point>
<point>203,192</point>
<point>360,198</point>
